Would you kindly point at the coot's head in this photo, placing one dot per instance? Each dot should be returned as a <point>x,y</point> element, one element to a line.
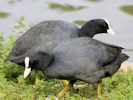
<point>96,26</point>
<point>37,61</point>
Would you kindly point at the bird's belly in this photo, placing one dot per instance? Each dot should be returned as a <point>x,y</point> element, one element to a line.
<point>71,72</point>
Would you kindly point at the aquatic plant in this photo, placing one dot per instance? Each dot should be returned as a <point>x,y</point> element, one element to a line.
<point>127,9</point>
<point>79,22</point>
<point>94,0</point>
<point>65,7</point>
<point>4,14</point>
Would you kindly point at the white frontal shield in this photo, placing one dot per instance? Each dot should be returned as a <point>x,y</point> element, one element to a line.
<point>27,69</point>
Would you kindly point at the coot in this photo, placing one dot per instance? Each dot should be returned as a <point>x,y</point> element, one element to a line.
<point>81,58</point>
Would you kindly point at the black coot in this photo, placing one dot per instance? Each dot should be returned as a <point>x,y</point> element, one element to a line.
<point>82,58</point>
<point>46,35</point>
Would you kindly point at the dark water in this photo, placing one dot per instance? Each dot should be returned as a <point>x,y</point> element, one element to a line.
<point>38,10</point>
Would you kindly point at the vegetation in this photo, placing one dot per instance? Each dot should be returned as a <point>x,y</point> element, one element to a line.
<point>79,22</point>
<point>94,0</point>
<point>3,14</point>
<point>127,9</point>
<point>14,87</point>
<point>65,7</point>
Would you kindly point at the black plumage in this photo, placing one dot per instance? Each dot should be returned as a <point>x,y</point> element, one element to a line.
<point>83,59</point>
<point>43,36</point>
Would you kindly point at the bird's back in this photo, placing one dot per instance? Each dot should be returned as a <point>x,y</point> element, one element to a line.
<point>81,58</point>
<point>45,36</point>
<point>87,48</point>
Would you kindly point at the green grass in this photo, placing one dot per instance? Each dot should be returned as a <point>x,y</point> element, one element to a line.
<point>118,87</point>
<point>65,7</point>
<point>4,14</point>
<point>127,9</point>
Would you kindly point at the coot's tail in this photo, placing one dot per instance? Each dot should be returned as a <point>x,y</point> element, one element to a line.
<point>114,67</point>
<point>121,58</point>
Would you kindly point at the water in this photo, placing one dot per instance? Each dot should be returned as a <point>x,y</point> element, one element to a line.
<point>38,10</point>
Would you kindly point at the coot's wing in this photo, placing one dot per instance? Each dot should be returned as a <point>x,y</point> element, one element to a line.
<point>83,51</point>
<point>109,54</point>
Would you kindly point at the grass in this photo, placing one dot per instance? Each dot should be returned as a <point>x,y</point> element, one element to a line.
<point>4,14</point>
<point>65,7</point>
<point>118,87</point>
<point>127,9</point>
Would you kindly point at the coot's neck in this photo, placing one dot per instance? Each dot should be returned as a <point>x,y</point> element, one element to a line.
<point>47,70</point>
<point>46,63</point>
<point>86,33</point>
<point>88,30</point>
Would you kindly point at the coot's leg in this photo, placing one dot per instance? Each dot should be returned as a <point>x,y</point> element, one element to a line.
<point>37,77</point>
<point>66,88</point>
<point>65,82</point>
<point>99,89</point>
